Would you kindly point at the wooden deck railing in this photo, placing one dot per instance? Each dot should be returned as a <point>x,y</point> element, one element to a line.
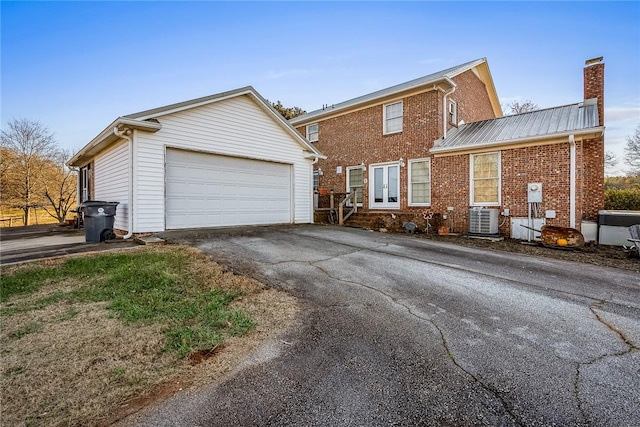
<point>339,206</point>
<point>351,198</point>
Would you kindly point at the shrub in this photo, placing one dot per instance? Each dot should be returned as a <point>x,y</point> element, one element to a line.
<point>622,199</point>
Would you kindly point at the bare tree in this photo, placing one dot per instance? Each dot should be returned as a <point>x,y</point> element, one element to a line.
<point>60,186</point>
<point>632,151</point>
<point>610,160</point>
<point>517,107</point>
<point>28,145</point>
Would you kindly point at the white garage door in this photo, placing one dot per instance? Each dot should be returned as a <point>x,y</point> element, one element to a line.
<point>206,190</point>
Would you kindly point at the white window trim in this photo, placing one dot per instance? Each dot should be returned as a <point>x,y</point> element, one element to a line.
<point>317,133</point>
<point>410,195</point>
<point>363,181</point>
<point>384,118</point>
<point>471,195</point>
<point>454,120</point>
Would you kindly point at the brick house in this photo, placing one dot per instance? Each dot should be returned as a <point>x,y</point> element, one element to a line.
<point>440,145</point>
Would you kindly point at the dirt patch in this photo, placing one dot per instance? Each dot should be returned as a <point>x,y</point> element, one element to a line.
<point>605,256</point>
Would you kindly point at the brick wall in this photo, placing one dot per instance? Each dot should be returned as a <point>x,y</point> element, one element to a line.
<point>593,185</point>
<point>357,137</point>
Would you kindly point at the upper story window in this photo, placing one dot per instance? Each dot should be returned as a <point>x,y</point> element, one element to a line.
<point>312,132</point>
<point>392,117</point>
<point>453,112</point>
<point>485,179</point>
<point>419,182</point>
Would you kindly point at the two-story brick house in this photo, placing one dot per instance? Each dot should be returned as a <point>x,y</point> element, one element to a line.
<point>440,144</point>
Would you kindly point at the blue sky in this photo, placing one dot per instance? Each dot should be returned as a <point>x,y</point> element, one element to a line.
<point>76,66</point>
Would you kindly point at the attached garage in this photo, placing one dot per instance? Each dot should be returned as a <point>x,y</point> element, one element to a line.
<point>208,190</point>
<point>223,160</point>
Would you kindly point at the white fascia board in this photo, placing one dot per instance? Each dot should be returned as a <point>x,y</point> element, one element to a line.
<point>106,137</point>
<point>533,139</point>
<point>187,106</point>
<point>314,153</point>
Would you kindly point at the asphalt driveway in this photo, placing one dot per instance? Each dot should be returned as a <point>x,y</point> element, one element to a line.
<point>399,330</point>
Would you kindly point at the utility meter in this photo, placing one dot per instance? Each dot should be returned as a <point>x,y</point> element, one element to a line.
<point>534,192</point>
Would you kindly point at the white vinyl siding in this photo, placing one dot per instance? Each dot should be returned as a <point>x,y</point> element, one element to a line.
<point>235,127</point>
<point>485,179</point>
<point>419,182</point>
<point>312,132</point>
<point>392,117</point>
<point>111,182</point>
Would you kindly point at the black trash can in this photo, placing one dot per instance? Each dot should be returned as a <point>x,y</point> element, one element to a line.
<point>98,220</point>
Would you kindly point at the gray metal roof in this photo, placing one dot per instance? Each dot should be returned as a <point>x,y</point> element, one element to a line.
<point>537,124</point>
<point>421,81</point>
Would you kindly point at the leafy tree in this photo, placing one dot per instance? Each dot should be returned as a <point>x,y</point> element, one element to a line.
<point>632,151</point>
<point>60,186</point>
<point>517,107</point>
<point>28,145</point>
<point>286,112</point>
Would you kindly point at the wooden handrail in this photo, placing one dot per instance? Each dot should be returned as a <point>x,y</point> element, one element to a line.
<point>351,197</point>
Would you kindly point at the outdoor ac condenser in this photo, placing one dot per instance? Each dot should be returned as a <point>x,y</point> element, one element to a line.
<point>483,221</point>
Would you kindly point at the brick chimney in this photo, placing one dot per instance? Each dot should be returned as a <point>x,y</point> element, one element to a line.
<point>594,84</point>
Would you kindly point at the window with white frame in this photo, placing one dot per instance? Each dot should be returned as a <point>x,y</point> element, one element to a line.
<point>312,132</point>
<point>485,179</point>
<point>453,112</point>
<point>316,180</point>
<point>392,117</point>
<point>355,181</point>
<point>420,182</point>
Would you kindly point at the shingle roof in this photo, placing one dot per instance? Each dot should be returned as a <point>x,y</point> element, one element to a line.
<point>421,81</point>
<point>531,125</point>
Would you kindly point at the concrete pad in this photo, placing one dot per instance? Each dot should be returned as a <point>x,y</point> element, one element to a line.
<point>40,242</point>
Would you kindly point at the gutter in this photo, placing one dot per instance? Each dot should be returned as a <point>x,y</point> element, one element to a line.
<point>125,135</point>
<point>100,141</point>
<point>561,135</point>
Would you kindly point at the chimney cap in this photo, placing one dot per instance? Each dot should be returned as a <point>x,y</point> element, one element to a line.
<point>594,61</point>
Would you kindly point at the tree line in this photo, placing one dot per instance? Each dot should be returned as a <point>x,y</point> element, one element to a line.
<point>33,173</point>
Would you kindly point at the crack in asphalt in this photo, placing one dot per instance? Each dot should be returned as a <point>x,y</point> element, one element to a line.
<point>631,346</point>
<point>443,340</point>
<point>378,249</point>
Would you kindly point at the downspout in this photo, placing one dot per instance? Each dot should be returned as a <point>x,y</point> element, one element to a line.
<point>572,181</point>
<point>445,112</point>
<point>125,135</point>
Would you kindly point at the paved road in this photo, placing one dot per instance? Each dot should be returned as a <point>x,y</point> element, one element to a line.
<point>403,331</point>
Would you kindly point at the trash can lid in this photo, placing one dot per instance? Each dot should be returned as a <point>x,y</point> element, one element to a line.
<point>93,203</point>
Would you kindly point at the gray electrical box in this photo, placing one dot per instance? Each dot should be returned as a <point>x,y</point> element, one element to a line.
<point>534,192</point>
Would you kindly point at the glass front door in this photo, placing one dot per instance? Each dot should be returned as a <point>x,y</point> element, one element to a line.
<point>384,186</point>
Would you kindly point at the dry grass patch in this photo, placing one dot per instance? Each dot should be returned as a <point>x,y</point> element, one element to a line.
<point>79,337</point>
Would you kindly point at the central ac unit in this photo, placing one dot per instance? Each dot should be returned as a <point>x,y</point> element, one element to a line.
<point>483,221</point>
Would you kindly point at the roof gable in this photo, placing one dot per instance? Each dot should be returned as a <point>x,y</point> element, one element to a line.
<point>148,121</point>
<point>425,82</point>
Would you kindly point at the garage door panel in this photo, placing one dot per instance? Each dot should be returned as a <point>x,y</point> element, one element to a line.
<point>206,190</point>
